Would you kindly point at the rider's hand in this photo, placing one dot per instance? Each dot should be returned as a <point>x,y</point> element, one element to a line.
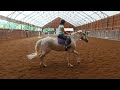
<point>69,34</point>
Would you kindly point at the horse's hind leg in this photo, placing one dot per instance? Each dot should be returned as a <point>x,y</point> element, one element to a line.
<point>42,55</point>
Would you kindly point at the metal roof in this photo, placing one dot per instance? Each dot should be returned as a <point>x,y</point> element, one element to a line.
<point>41,18</point>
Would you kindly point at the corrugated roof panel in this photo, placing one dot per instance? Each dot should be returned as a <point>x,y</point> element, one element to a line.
<point>41,18</point>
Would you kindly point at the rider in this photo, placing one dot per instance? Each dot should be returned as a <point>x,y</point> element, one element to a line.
<point>61,33</point>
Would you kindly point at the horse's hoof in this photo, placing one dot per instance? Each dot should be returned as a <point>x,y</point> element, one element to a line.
<point>78,62</point>
<point>44,65</point>
<point>70,65</point>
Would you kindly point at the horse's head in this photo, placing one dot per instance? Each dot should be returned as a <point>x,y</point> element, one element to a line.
<point>83,36</point>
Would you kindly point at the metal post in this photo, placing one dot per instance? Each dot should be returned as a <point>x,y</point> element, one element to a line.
<point>48,34</point>
<point>39,34</point>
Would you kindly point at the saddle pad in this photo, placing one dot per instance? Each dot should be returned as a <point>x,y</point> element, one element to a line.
<point>61,41</point>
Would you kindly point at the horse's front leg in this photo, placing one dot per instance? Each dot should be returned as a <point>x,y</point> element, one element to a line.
<point>68,58</point>
<point>76,53</point>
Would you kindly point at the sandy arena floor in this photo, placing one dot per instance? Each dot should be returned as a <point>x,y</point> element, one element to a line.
<point>100,59</point>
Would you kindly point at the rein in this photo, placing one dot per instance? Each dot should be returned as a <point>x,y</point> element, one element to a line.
<point>74,33</point>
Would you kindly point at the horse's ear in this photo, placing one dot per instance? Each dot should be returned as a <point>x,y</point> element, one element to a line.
<point>80,31</point>
<point>87,32</point>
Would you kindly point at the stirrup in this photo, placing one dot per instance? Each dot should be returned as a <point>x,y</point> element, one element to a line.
<point>68,46</point>
<point>65,47</point>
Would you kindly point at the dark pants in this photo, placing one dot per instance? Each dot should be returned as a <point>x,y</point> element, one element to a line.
<point>67,39</point>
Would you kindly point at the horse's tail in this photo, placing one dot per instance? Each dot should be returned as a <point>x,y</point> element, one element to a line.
<point>33,55</point>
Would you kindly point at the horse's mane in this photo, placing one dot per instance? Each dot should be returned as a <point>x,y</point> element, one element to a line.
<point>76,32</point>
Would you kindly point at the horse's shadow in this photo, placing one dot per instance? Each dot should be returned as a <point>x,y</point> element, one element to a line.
<point>61,66</point>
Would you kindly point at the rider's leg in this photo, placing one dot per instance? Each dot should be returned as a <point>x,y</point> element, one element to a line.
<point>68,41</point>
<point>62,36</point>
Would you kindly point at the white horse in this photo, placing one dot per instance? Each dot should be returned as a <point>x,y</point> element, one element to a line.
<point>45,45</point>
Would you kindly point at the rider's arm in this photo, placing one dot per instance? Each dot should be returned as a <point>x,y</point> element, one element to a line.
<point>65,31</point>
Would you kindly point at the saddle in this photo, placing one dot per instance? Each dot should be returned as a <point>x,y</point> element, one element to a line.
<point>66,42</point>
